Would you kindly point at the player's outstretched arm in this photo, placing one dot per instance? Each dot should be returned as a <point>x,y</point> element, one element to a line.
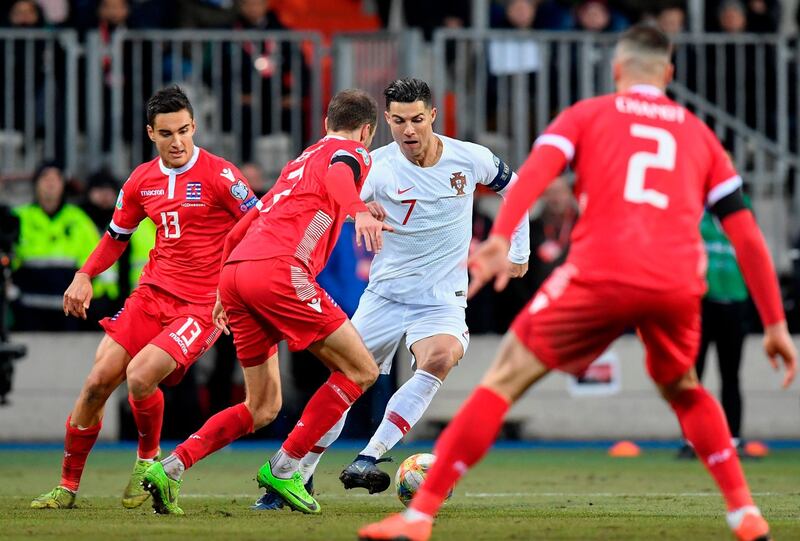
<point>78,295</point>
<point>759,275</point>
<point>341,185</point>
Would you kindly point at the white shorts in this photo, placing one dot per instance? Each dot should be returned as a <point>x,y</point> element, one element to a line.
<point>382,323</point>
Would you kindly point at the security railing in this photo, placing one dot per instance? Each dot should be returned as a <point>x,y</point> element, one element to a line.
<point>38,109</point>
<point>370,60</point>
<point>502,87</point>
<point>259,96</point>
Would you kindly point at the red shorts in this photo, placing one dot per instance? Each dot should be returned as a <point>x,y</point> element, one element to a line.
<point>270,300</point>
<point>152,316</point>
<point>569,323</point>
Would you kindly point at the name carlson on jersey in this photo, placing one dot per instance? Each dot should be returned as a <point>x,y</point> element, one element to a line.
<point>655,111</point>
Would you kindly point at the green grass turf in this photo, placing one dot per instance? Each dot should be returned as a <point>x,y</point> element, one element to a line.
<point>512,495</point>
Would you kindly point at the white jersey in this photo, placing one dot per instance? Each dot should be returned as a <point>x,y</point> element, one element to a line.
<point>424,261</point>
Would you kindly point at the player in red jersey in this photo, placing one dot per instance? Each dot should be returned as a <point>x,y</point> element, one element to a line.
<point>269,293</point>
<point>645,169</point>
<point>195,199</point>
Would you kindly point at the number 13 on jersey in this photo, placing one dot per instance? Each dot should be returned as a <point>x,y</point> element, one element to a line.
<point>640,162</point>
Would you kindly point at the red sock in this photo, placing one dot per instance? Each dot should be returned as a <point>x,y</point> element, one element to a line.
<point>704,426</point>
<point>320,414</point>
<point>221,429</point>
<point>77,445</point>
<point>149,416</point>
<point>463,443</point>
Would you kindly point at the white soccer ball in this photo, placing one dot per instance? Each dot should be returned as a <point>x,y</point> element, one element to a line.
<point>410,474</point>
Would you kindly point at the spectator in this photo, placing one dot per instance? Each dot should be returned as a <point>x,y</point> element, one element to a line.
<point>597,16</point>
<point>98,204</point>
<point>55,239</point>
<point>732,17</point>
<point>550,235</point>
<point>724,322</point>
<point>428,16</point>
<point>739,93</point>
<point>671,19</point>
<point>255,176</point>
<point>257,65</point>
<point>763,16</point>
<point>205,13</point>
<point>25,93</point>
<point>514,56</point>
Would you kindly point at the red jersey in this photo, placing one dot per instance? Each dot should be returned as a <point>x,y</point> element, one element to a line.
<point>645,169</point>
<point>298,217</point>
<point>193,208</point>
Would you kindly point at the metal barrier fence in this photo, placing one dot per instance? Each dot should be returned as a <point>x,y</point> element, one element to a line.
<point>502,88</point>
<point>259,95</point>
<point>370,60</point>
<point>38,113</point>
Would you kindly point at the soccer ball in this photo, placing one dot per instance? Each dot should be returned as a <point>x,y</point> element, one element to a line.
<point>410,474</point>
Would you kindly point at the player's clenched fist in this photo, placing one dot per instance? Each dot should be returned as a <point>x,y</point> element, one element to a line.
<point>490,259</point>
<point>78,296</point>
<point>778,343</point>
<point>371,229</point>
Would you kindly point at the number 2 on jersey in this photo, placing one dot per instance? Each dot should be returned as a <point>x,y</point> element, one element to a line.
<point>640,162</point>
<point>172,228</point>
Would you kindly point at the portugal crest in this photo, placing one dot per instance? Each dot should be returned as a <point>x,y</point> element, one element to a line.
<point>458,182</point>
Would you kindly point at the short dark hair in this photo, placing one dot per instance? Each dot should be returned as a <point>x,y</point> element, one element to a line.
<point>168,100</point>
<point>647,38</point>
<point>408,90</point>
<point>350,109</point>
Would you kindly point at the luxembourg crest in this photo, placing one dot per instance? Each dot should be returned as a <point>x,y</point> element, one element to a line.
<point>458,182</point>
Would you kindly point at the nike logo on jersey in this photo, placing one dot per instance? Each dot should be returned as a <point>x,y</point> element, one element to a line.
<point>227,173</point>
<point>316,305</point>
<point>401,192</point>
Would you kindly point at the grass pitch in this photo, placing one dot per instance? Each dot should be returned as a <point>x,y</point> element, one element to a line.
<point>513,495</point>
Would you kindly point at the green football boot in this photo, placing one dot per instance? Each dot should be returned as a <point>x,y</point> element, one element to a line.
<point>58,498</point>
<point>135,494</point>
<point>163,488</point>
<point>291,490</point>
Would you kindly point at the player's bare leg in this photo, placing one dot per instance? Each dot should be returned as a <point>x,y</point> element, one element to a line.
<point>353,370</point>
<point>464,442</point>
<point>261,406</point>
<point>705,428</point>
<point>435,356</point>
<point>83,424</point>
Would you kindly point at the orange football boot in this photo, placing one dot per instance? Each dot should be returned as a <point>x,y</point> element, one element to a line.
<point>396,528</point>
<point>752,527</point>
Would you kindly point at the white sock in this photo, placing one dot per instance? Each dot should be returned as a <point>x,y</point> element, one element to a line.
<point>735,518</point>
<point>282,465</point>
<point>404,409</point>
<point>309,462</point>
<point>412,515</point>
<point>173,467</point>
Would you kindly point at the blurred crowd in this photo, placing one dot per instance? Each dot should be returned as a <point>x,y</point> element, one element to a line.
<point>589,15</point>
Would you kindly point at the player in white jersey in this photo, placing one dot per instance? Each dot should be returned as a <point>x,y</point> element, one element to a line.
<point>422,184</point>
